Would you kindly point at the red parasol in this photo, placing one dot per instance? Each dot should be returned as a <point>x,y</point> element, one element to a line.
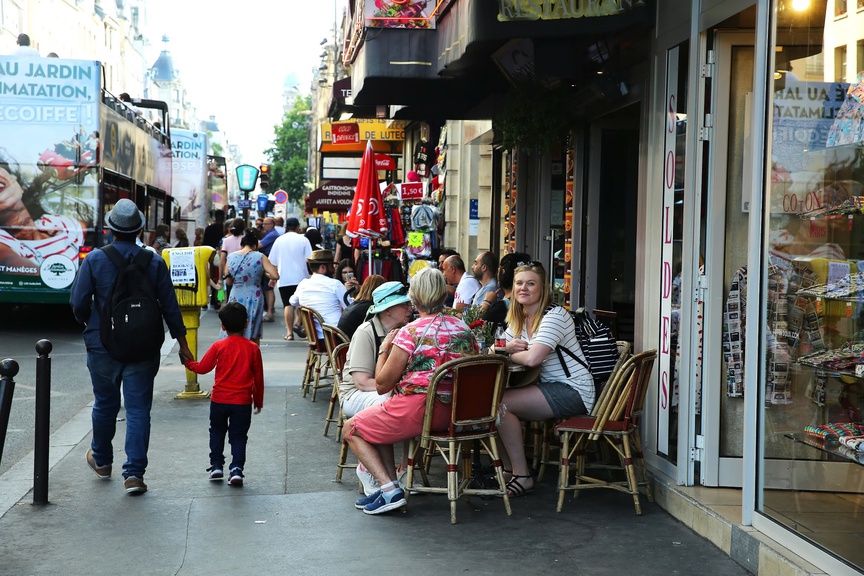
<point>367,210</point>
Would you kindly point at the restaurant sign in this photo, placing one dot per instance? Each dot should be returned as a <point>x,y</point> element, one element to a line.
<point>333,196</point>
<point>509,10</point>
<point>367,129</point>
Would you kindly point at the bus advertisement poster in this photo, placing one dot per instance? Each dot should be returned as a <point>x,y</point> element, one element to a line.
<point>189,177</point>
<point>49,151</point>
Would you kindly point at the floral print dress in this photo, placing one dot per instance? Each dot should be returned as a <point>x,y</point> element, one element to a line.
<point>247,272</point>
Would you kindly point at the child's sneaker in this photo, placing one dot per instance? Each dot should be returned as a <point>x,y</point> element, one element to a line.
<point>236,478</point>
<point>383,504</point>
<point>216,474</point>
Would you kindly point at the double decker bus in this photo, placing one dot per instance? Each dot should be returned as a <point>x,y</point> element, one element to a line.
<point>69,150</point>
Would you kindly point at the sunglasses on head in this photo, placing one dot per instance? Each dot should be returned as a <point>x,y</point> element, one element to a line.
<point>403,291</point>
<point>532,263</point>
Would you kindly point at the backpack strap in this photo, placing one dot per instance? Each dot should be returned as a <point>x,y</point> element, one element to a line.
<point>143,258</point>
<point>114,255</point>
<point>561,350</point>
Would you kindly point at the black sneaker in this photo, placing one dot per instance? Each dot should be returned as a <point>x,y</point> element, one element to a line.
<point>236,477</point>
<point>216,473</point>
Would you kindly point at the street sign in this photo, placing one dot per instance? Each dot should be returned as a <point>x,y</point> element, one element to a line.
<point>243,204</point>
<point>281,197</point>
<point>247,176</point>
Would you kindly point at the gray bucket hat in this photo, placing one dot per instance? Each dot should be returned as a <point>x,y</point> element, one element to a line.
<point>125,217</point>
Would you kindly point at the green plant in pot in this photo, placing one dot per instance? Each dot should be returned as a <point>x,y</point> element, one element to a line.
<point>534,116</point>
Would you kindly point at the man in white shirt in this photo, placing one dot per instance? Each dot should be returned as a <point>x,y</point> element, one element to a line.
<point>484,269</point>
<point>466,284</point>
<point>280,225</point>
<point>321,292</point>
<point>289,254</point>
<point>24,48</point>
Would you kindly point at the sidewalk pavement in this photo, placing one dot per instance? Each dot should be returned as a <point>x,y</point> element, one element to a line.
<point>291,517</point>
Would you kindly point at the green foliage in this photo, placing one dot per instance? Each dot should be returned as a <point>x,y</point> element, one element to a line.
<point>288,158</point>
<point>533,117</point>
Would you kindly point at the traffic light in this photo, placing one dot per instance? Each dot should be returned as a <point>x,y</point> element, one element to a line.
<point>264,176</point>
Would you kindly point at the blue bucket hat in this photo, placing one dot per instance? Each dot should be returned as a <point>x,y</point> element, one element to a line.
<point>388,295</point>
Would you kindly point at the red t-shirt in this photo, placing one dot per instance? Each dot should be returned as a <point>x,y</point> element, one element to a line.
<point>239,371</point>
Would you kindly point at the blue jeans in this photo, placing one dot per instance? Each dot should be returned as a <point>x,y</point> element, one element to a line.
<point>235,419</point>
<point>107,375</point>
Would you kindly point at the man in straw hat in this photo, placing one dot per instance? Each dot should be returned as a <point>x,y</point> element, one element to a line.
<point>321,291</point>
<point>89,294</point>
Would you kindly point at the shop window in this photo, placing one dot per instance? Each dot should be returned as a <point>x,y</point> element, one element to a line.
<point>812,388</point>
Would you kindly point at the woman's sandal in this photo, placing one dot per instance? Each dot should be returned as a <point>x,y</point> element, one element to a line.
<point>288,338</point>
<point>515,489</point>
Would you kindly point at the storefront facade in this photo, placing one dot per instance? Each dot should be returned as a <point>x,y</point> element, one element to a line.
<point>712,194</point>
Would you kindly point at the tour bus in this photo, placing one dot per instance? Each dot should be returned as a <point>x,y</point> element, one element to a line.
<point>69,150</point>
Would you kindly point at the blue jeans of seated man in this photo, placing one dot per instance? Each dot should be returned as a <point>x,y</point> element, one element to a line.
<point>107,375</point>
<point>235,419</point>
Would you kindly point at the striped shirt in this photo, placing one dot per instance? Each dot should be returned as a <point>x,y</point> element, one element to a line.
<point>557,328</point>
<point>66,236</point>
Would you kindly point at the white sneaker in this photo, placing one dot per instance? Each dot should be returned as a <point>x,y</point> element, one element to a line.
<point>370,484</point>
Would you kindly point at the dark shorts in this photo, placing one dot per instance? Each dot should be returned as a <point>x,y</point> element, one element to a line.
<point>564,400</point>
<point>285,293</point>
<point>265,285</point>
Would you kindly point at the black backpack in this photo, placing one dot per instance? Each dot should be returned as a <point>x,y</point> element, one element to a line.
<point>130,323</point>
<point>597,343</point>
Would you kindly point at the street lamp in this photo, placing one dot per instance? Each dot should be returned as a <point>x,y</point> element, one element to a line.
<point>247,176</point>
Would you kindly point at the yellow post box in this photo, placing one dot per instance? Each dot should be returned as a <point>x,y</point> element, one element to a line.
<point>189,269</point>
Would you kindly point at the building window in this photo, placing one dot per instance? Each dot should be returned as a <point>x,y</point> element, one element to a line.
<point>859,51</point>
<point>840,64</point>
<point>840,8</point>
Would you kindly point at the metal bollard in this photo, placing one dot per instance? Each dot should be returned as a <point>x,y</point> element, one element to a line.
<point>43,422</point>
<point>8,371</point>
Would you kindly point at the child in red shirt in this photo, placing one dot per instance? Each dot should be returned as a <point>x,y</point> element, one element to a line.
<point>238,386</point>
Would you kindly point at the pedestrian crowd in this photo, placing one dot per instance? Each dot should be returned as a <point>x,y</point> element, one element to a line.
<point>399,335</point>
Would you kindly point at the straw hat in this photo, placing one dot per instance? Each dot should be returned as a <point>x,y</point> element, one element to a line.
<point>320,257</point>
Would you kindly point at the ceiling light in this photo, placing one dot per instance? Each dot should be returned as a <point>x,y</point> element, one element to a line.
<point>800,5</point>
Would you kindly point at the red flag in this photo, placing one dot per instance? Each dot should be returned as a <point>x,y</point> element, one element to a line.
<point>367,210</point>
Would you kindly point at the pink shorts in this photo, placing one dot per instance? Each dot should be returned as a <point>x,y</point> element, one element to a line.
<point>398,418</point>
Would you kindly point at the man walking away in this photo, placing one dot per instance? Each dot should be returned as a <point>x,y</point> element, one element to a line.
<point>90,293</point>
<point>266,246</point>
<point>212,237</point>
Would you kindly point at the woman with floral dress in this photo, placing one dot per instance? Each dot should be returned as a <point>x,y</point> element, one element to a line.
<point>245,270</point>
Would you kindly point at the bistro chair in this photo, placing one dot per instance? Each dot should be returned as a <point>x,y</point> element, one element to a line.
<point>614,423</point>
<point>543,431</point>
<point>333,338</point>
<point>478,384</point>
<point>317,359</point>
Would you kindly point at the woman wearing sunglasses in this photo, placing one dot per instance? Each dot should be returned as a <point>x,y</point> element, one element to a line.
<point>565,387</point>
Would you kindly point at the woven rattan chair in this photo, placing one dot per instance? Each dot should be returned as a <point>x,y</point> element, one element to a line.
<point>478,384</point>
<point>333,338</point>
<point>615,424</point>
<point>317,360</point>
<point>543,432</point>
